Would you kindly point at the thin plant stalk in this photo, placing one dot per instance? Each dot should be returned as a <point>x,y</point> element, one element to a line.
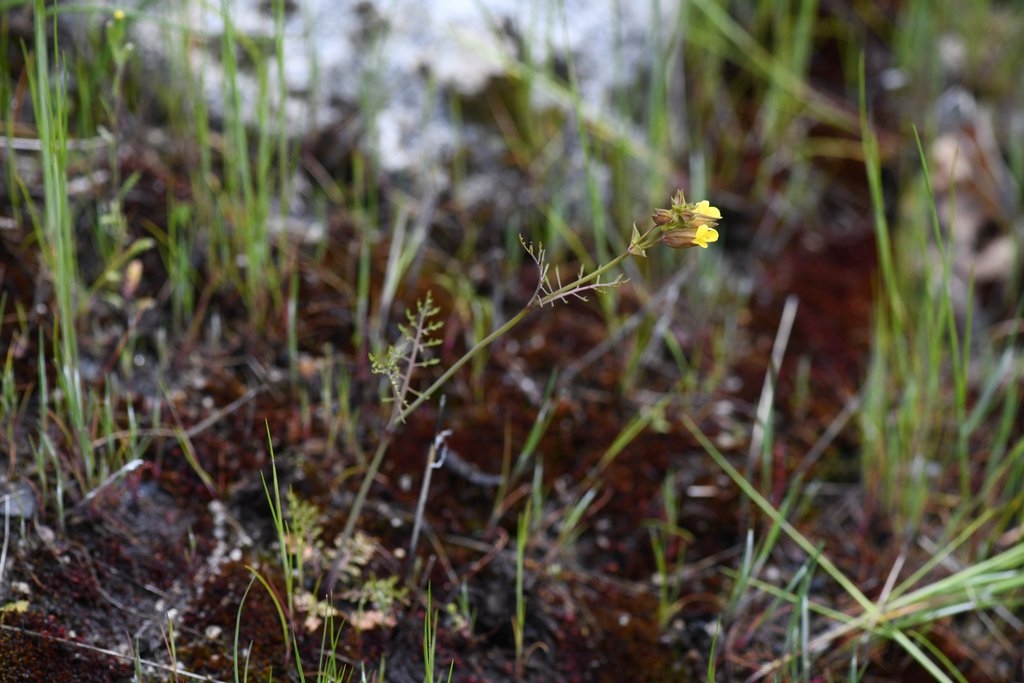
<point>683,225</point>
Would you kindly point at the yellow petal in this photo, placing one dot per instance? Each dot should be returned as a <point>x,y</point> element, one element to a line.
<point>705,208</point>
<point>704,236</point>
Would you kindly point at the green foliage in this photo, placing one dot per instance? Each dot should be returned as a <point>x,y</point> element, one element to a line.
<point>401,359</point>
<point>430,643</point>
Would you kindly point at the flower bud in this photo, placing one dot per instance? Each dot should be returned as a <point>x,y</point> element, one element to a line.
<point>683,238</point>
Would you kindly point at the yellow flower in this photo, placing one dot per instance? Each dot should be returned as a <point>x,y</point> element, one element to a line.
<point>688,225</point>
<point>682,225</point>
<point>705,214</point>
<point>693,236</point>
<point>704,236</point>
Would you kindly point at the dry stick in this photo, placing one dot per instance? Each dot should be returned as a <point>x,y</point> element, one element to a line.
<point>767,399</point>
<point>438,448</point>
<point>433,463</point>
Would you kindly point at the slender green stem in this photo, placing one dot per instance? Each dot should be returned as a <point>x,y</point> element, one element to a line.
<point>536,302</point>
<point>647,240</point>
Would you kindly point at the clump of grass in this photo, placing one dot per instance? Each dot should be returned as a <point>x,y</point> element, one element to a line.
<point>902,613</point>
<point>430,643</point>
<point>297,608</point>
<point>242,181</point>
<point>923,422</point>
<point>922,428</point>
<point>664,536</point>
<point>85,436</point>
<point>55,235</point>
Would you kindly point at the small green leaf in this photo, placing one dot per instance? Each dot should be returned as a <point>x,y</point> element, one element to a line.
<point>634,243</point>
